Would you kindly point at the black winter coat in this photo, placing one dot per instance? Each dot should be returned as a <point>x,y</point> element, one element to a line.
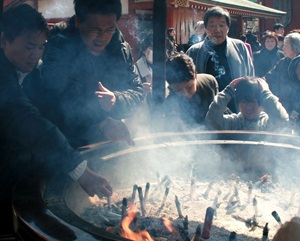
<point>27,139</point>
<point>264,60</point>
<point>70,78</point>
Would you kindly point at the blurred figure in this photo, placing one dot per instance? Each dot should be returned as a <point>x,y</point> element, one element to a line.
<point>57,28</point>
<point>31,145</point>
<point>290,231</point>
<point>260,110</point>
<point>190,94</point>
<point>198,35</point>
<point>269,55</point>
<point>144,63</point>
<point>171,45</point>
<point>223,57</point>
<point>280,42</point>
<point>89,77</point>
<point>278,77</point>
<point>278,28</point>
<point>244,39</point>
<point>252,40</point>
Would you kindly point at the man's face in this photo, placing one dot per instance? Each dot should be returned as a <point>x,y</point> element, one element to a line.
<point>217,29</point>
<point>270,44</point>
<point>96,31</point>
<point>185,89</point>
<point>280,31</point>
<point>25,51</point>
<point>250,109</point>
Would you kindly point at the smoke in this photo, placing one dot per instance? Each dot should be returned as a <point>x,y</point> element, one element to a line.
<point>56,9</point>
<point>220,70</point>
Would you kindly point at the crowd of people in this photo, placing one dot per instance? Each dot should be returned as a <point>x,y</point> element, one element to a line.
<point>77,88</point>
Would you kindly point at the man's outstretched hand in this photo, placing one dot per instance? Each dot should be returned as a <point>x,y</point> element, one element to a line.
<point>92,184</point>
<point>116,130</point>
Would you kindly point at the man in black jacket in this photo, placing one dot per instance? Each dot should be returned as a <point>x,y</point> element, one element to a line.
<point>88,72</point>
<point>27,139</point>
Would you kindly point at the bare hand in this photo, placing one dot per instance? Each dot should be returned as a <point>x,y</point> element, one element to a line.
<point>92,184</point>
<point>116,130</point>
<point>106,97</point>
<point>263,84</point>
<point>147,87</point>
<point>234,82</point>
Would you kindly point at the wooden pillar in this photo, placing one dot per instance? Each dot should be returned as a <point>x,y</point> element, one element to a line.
<point>159,50</point>
<point>1,6</point>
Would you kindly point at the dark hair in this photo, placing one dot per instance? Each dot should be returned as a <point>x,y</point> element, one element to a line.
<point>180,68</point>
<point>278,26</point>
<point>248,89</point>
<point>20,20</point>
<point>85,7</point>
<point>243,38</point>
<point>146,42</point>
<point>217,12</point>
<point>169,30</point>
<point>269,35</point>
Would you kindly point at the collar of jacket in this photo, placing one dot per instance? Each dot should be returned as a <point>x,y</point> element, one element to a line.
<point>6,67</point>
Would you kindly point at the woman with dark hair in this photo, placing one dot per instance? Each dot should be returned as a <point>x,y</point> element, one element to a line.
<point>269,55</point>
<point>171,45</point>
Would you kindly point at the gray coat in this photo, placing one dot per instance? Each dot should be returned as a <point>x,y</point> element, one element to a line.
<point>238,57</point>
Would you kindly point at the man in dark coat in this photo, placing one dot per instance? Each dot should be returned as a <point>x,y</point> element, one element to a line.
<point>88,72</point>
<point>28,141</point>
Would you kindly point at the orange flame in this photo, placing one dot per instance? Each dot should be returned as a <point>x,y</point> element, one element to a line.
<point>142,235</point>
<point>168,225</point>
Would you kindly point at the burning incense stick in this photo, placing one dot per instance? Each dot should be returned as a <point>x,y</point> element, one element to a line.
<point>208,222</point>
<point>197,236</point>
<point>124,208</point>
<point>165,197</point>
<point>192,187</point>
<point>265,233</point>
<point>255,206</point>
<point>208,189</point>
<point>277,217</point>
<point>109,203</point>
<point>140,191</point>
<point>178,207</point>
<point>250,190</point>
<point>232,236</point>
<point>133,193</point>
<point>146,192</point>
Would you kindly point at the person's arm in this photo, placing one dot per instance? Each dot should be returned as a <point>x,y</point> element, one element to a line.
<point>272,105</point>
<point>22,122</point>
<point>215,117</point>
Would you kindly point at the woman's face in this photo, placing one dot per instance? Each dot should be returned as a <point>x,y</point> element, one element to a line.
<point>270,43</point>
<point>287,49</point>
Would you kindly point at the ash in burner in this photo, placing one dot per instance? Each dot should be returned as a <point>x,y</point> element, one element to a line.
<point>239,207</point>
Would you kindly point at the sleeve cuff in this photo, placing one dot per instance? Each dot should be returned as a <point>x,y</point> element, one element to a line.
<point>78,171</point>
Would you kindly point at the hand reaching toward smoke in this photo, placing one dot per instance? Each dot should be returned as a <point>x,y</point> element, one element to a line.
<point>92,184</point>
<point>116,130</point>
<point>107,98</point>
